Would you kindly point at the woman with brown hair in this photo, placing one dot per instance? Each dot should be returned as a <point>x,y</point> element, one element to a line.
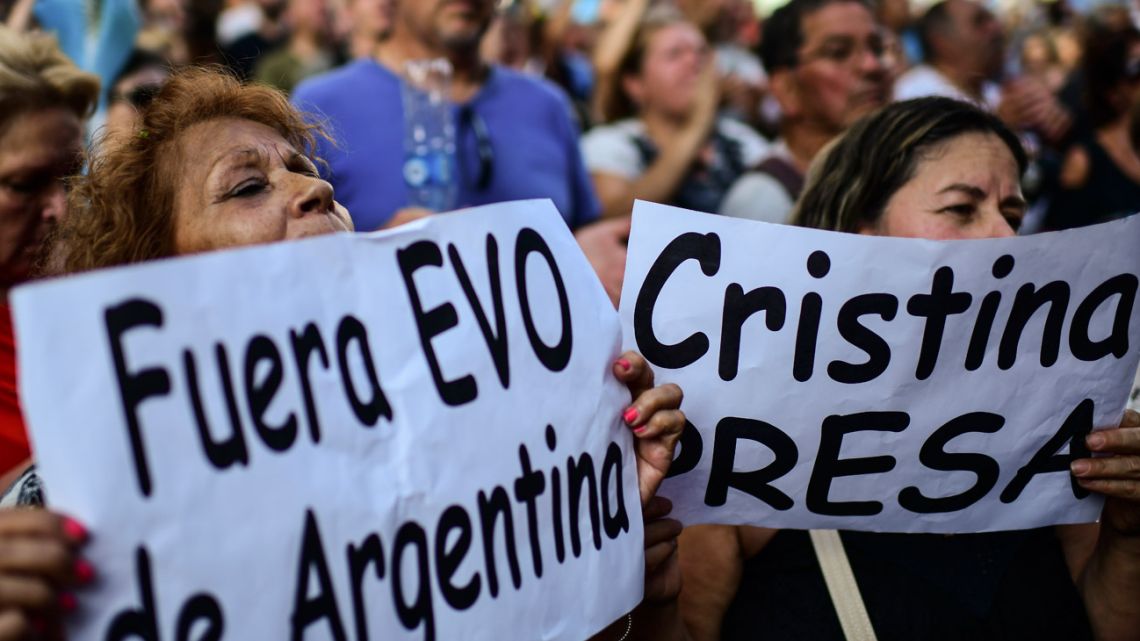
<point>938,169</point>
<point>664,140</point>
<point>216,164</point>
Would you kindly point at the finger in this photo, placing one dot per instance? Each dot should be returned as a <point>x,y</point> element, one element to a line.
<point>1112,467</point>
<point>631,369</point>
<point>662,397</point>
<point>663,425</point>
<point>658,507</point>
<point>14,624</point>
<point>44,557</point>
<point>1131,419</point>
<point>29,522</point>
<point>27,593</point>
<point>1129,490</point>
<point>1123,440</point>
<point>656,555</point>
<point>661,531</point>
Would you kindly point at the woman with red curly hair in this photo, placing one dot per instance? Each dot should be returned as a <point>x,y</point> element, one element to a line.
<point>217,164</point>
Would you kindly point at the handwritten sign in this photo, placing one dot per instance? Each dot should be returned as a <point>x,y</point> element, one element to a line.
<point>407,435</point>
<point>843,381</point>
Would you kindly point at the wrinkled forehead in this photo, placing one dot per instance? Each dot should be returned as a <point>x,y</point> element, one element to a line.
<point>207,142</point>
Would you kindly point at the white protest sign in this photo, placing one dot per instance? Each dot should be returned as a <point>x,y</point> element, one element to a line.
<point>407,435</point>
<point>844,381</point>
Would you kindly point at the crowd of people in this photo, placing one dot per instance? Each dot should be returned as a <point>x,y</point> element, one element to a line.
<point>948,120</point>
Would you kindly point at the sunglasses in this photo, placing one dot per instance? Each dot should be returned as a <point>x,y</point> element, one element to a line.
<point>138,97</point>
<point>483,149</point>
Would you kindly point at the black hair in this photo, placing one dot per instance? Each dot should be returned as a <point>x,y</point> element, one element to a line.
<point>852,182</point>
<point>784,32</point>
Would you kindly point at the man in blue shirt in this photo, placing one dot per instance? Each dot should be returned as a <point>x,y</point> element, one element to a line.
<point>515,139</point>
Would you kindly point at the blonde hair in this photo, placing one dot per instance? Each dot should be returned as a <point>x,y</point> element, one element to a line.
<point>35,74</point>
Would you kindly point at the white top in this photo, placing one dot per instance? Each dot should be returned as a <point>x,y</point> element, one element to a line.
<point>610,149</point>
<point>923,80</point>
<point>759,196</point>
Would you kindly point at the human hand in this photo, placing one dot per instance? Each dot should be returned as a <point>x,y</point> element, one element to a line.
<point>38,563</point>
<point>656,421</point>
<point>1116,476</point>
<point>604,244</point>
<point>662,570</point>
<point>707,103</point>
<point>405,216</point>
<point>1026,103</point>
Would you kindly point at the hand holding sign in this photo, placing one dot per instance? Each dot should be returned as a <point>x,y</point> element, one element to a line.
<point>655,419</point>
<point>1116,476</point>
<point>37,561</point>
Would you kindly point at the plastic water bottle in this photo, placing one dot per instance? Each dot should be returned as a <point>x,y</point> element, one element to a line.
<point>429,135</point>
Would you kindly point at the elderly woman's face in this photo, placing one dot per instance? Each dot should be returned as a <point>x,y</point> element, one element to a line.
<point>243,184</point>
<point>967,187</point>
<point>38,149</point>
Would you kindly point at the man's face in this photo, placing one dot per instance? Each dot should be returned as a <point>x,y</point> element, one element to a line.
<point>446,24</point>
<point>839,76</point>
<point>975,37</point>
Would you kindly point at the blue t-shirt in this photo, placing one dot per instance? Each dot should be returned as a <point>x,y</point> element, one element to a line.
<point>533,143</point>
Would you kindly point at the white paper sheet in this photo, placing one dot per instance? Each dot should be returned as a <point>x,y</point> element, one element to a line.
<point>780,411</point>
<point>232,545</point>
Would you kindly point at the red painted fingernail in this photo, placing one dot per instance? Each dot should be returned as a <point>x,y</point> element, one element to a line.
<point>84,572</point>
<point>630,415</point>
<point>624,364</point>
<point>1095,441</point>
<point>67,602</point>
<point>639,430</point>
<point>74,529</point>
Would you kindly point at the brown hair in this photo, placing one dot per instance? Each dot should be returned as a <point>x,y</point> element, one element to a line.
<point>34,74</point>
<point>122,211</point>
<point>657,18</point>
<point>851,182</point>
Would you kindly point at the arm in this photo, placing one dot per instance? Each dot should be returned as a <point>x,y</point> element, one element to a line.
<point>556,25</point>
<point>656,421</point>
<point>612,45</point>
<point>1109,581</point>
<point>712,559</point>
<point>20,17</point>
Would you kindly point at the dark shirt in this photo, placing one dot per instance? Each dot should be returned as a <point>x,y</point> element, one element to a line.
<point>995,586</point>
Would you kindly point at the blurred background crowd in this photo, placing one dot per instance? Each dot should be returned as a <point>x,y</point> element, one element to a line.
<point>707,104</point>
<point>713,105</point>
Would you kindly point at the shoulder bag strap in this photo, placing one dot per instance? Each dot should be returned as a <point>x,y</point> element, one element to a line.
<point>841,585</point>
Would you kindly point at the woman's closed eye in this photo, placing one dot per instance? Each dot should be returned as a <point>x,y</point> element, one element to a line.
<point>964,210</point>
<point>247,188</point>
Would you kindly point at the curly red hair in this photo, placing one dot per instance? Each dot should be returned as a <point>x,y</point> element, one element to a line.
<point>122,211</point>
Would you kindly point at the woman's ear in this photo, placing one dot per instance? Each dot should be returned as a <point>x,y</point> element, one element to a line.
<point>634,88</point>
<point>782,85</point>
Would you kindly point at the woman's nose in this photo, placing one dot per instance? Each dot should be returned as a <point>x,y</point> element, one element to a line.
<point>997,226</point>
<point>313,196</point>
<point>54,203</point>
